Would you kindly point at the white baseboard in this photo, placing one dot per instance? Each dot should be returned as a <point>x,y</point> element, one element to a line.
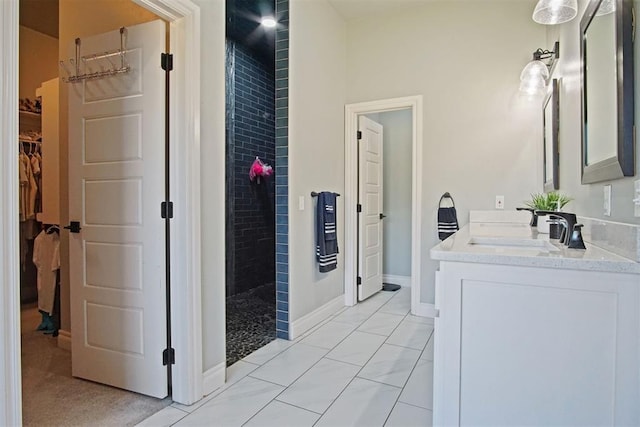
<point>64,339</point>
<point>424,309</point>
<point>214,378</point>
<point>404,281</point>
<point>310,320</point>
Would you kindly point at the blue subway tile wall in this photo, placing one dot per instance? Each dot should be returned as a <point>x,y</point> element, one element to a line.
<point>250,133</point>
<point>282,168</point>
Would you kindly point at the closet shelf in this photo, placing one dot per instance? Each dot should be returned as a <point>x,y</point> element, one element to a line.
<point>30,121</point>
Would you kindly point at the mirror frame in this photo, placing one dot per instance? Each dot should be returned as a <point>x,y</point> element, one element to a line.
<point>552,101</point>
<point>623,164</point>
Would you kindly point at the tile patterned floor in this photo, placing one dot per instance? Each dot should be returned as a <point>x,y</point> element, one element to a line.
<point>368,365</point>
<point>251,321</point>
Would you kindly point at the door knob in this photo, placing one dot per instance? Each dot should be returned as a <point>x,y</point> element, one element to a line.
<point>382,216</point>
<point>74,227</point>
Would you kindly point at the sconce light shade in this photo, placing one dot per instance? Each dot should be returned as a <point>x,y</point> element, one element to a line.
<point>552,12</point>
<point>534,76</point>
<point>533,86</point>
<point>534,69</point>
<point>606,7</point>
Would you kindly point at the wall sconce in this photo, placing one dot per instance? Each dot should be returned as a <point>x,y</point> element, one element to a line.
<point>536,73</point>
<point>606,7</point>
<point>552,12</point>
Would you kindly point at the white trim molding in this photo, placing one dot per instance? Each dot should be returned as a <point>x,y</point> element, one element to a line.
<point>64,340</point>
<point>352,111</point>
<point>10,364</point>
<point>214,378</point>
<point>308,321</point>
<point>404,281</point>
<point>425,310</point>
<point>184,178</point>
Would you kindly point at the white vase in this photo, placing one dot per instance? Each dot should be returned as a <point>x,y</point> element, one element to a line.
<point>543,224</point>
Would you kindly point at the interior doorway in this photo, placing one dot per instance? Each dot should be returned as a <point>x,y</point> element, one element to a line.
<point>39,61</point>
<point>185,24</point>
<point>250,184</point>
<point>409,123</point>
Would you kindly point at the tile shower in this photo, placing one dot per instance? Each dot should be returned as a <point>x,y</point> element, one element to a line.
<point>250,254</point>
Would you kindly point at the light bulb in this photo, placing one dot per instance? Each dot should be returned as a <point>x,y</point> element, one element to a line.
<point>268,22</point>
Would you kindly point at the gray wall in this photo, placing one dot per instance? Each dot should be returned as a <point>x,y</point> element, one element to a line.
<point>481,137</point>
<point>317,88</point>
<point>396,191</point>
<point>588,198</point>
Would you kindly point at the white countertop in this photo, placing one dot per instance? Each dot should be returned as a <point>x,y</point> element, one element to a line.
<point>473,243</point>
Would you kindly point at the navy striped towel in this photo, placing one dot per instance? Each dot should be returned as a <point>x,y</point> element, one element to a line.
<point>447,218</point>
<point>326,232</point>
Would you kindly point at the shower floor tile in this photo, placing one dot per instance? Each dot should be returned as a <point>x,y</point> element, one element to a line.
<point>251,321</point>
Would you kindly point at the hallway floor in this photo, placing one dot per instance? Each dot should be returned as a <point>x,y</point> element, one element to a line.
<point>367,365</point>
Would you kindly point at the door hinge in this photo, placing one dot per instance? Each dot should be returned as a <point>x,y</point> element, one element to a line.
<point>359,134</point>
<point>358,208</point>
<point>359,280</point>
<point>166,210</point>
<point>169,357</point>
<point>166,61</point>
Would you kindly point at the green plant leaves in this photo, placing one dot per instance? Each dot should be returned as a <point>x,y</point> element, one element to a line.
<point>550,201</point>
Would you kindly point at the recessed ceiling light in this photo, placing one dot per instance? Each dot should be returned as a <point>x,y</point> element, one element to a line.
<point>268,22</point>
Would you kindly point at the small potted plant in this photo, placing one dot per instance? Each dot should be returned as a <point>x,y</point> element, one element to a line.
<point>551,201</point>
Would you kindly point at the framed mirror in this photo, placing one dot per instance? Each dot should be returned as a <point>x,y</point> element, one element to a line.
<point>551,134</point>
<point>606,54</point>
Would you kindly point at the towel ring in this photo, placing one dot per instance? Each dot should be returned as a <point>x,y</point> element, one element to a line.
<point>446,196</point>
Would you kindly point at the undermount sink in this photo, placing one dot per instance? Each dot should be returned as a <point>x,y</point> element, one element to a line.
<point>513,243</point>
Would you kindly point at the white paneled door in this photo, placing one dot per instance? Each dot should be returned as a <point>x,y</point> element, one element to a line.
<point>370,218</point>
<point>116,185</point>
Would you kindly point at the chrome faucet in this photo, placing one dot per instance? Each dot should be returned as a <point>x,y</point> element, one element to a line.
<point>571,235</point>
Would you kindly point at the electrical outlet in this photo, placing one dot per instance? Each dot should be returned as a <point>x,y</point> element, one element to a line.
<point>636,198</point>
<point>607,200</point>
<point>499,202</point>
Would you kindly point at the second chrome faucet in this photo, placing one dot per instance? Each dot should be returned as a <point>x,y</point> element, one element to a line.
<point>571,234</point>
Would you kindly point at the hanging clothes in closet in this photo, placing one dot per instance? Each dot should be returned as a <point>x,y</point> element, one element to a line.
<point>29,194</point>
<point>46,257</point>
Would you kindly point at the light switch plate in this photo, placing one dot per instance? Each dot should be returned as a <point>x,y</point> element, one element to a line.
<point>499,202</point>
<point>607,200</point>
<point>301,203</point>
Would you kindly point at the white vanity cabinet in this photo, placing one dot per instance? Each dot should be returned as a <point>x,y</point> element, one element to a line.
<point>522,345</point>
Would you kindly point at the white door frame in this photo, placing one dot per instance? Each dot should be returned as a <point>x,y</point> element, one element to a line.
<point>352,111</point>
<point>184,18</point>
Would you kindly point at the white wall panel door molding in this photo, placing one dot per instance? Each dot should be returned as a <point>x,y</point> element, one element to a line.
<point>10,379</point>
<point>116,180</point>
<point>352,114</point>
<point>184,176</point>
<point>184,18</point>
<point>370,191</point>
